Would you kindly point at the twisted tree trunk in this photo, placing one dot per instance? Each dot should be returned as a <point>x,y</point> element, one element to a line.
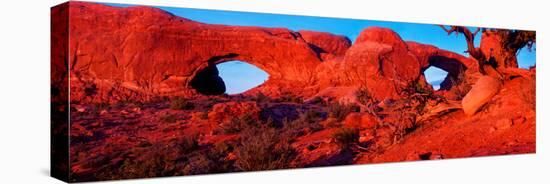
<point>498,48</point>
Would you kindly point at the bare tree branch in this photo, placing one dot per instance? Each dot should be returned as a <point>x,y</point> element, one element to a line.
<point>449,31</point>
<point>475,32</point>
<point>472,50</point>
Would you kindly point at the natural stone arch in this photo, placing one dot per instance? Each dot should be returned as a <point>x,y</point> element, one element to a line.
<point>461,69</point>
<point>207,81</point>
<point>454,68</point>
<point>153,53</point>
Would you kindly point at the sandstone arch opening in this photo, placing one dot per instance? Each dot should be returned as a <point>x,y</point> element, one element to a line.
<point>241,76</point>
<point>228,77</point>
<point>443,72</point>
<point>435,76</point>
<point>208,82</point>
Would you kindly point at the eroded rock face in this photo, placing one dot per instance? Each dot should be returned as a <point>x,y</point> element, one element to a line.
<point>327,45</point>
<point>459,68</point>
<point>139,53</point>
<point>152,52</point>
<point>379,60</point>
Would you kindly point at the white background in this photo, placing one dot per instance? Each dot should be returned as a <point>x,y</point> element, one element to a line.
<point>24,90</point>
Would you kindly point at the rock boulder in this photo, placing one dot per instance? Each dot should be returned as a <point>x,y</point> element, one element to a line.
<point>482,91</point>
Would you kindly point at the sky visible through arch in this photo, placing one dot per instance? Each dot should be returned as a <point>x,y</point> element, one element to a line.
<point>423,33</point>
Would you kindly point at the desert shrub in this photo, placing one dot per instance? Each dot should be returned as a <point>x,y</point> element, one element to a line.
<point>290,98</point>
<point>188,143</point>
<point>211,160</point>
<point>203,115</point>
<point>311,115</point>
<point>169,118</point>
<point>317,100</point>
<point>97,107</point>
<point>296,99</point>
<point>339,111</point>
<point>460,87</point>
<point>223,147</point>
<point>307,122</point>
<point>181,104</point>
<point>364,96</point>
<point>345,137</point>
<point>263,149</point>
<point>417,87</point>
<point>262,98</point>
<point>154,166</point>
<point>161,159</point>
<point>237,124</point>
<point>331,123</point>
<point>198,163</point>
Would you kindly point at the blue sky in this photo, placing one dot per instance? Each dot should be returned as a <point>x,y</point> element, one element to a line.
<point>240,76</point>
<point>423,33</point>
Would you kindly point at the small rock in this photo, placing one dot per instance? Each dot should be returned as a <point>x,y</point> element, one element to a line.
<point>503,124</point>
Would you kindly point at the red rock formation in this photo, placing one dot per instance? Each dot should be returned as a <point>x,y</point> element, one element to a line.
<point>138,52</point>
<point>483,91</point>
<point>383,63</point>
<point>326,44</point>
<point>460,68</point>
<point>379,60</point>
